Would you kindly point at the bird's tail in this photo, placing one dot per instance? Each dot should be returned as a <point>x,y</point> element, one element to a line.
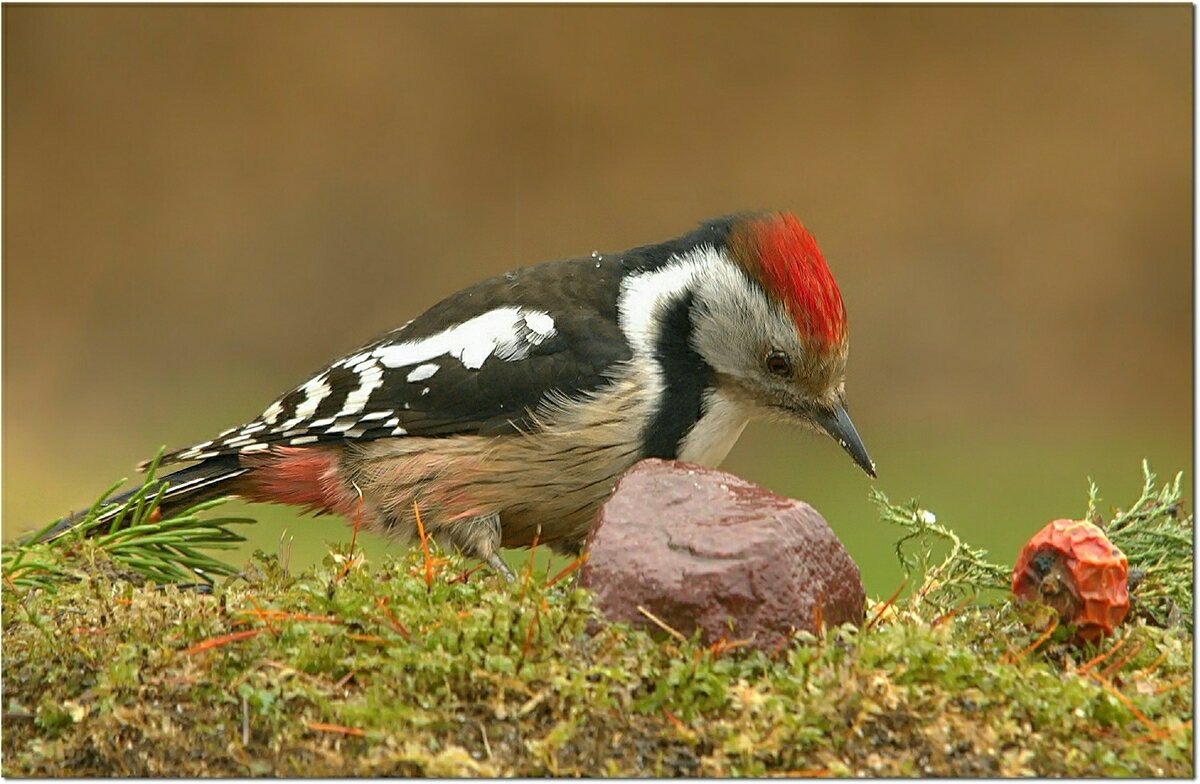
<point>185,488</point>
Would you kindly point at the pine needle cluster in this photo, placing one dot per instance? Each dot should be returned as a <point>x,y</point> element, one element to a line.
<point>174,549</point>
<point>1156,535</point>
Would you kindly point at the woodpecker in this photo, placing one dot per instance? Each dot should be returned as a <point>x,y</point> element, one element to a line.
<point>510,408</point>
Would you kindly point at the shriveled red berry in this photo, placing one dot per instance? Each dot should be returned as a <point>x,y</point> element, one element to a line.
<point>1071,566</point>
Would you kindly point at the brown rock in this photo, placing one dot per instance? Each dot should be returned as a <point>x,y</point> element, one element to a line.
<point>701,548</point>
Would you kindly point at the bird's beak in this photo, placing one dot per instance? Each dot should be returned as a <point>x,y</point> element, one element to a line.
<point>836,422</point>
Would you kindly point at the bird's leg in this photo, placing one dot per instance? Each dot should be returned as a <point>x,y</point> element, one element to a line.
<point>480,537</point>
<point>500,567</point>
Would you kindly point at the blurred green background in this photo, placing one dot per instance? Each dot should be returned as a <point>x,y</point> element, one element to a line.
<point>204,205</point>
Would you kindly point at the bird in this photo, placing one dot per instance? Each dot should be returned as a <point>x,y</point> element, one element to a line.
<point>508,410</point>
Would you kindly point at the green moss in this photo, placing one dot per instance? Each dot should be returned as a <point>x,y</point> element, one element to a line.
<point>368,669</point>
<point>104,678</point>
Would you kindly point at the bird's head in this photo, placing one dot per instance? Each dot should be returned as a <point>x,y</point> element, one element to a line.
<point>772,326</point>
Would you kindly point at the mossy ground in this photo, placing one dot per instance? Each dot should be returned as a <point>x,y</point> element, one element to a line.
<point>373,670</point>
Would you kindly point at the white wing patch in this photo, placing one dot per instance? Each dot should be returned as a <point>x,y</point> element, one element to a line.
<point>508,333</point>
<point>422,372</point>
<point>540,323</point>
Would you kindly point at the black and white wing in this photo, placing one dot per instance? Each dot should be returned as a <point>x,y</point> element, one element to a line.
<point>478,362</point>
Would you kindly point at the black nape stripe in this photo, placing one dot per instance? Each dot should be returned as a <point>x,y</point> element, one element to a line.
<point>685,375</point>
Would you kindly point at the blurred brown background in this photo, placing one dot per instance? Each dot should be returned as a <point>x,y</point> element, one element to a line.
<point>205,204</point>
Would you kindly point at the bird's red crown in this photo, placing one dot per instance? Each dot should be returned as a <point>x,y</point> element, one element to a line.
<point>783,257</point>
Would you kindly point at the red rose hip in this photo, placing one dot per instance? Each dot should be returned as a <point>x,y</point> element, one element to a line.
<point>1071,566</point>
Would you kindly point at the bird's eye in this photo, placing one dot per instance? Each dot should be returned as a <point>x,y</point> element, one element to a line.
<point>778,363</point>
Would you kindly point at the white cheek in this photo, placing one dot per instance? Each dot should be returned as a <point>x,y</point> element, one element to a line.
<point>739,325</point>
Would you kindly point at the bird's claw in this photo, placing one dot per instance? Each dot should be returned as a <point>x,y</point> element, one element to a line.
<point>500,567</point>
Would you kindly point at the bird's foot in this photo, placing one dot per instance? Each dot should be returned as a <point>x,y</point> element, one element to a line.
<point>500,567</point>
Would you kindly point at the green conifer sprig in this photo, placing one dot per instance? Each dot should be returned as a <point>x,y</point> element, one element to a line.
<point>962,573</point>
<point>174,549</point>
<point>1155,534</point>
